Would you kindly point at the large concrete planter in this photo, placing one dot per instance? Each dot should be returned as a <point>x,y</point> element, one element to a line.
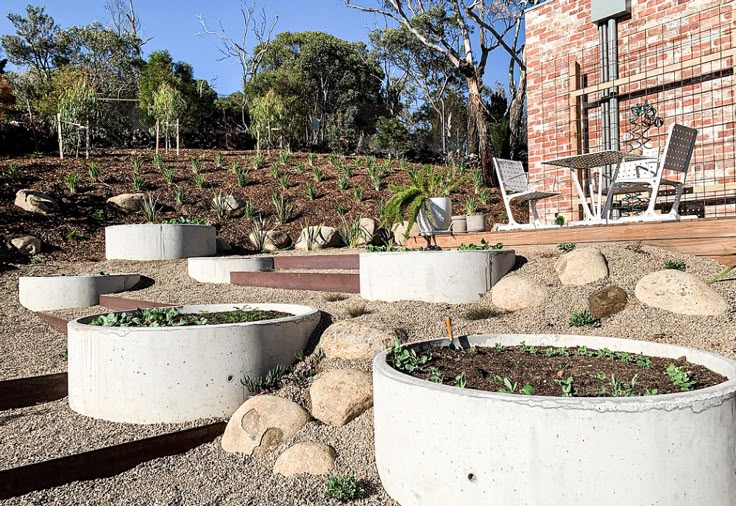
<point>436,217</point>
<point>450,276</point>
<point>48,293</point>
<point>159,241</point>
<point>178,374</point>
<point>218,269</point>
<point>440,445</point>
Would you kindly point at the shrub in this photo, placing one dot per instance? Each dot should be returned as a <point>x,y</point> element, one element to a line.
<point>566,247</point>
<point>344,488</point>
<point>677,265</point>
<point>559,220</point>
<point>583,319</point>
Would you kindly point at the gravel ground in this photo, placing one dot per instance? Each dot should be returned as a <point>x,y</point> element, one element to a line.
<point>206,475</point>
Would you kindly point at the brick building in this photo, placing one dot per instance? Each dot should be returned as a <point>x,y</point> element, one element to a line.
<point>677,56</point>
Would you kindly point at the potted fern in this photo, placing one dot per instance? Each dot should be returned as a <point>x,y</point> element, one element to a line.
<point>425,200</point>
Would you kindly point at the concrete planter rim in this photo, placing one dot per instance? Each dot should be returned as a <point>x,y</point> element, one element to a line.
<point>129,225</point>
<point>76,276</point>
<point>423,252</point>
<point>298,311</point>
<point>678,400</point>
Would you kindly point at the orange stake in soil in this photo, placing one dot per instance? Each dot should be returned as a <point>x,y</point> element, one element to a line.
<point>448,326</point>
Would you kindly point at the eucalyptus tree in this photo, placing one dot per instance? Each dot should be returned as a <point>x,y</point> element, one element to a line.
<point>37,43</point>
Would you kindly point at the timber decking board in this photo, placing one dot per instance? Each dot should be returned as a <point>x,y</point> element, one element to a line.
<point>342,262</point>
<point>104,462</point>
<point>317,281</point>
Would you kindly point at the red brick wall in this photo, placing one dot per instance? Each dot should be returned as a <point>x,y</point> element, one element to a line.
<point>659,35</point>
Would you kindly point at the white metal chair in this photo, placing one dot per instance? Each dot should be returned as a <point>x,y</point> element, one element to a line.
<point>514,184</point>
<point>636,177</point>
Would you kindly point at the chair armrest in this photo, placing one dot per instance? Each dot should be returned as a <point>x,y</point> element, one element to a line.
<point>554,179</point>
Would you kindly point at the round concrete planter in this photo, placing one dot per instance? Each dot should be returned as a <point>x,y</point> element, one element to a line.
<point>439,445</point>
<point>450,276</point>
<point>459,224</point>
<point>218,269</point>
<point>178,374</point>
<point>440,210</point>
<point>476,223</point>
<point>48,293</point>
<point>159,241</point>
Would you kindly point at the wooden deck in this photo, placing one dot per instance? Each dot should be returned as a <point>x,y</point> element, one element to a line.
<point>710,237</point>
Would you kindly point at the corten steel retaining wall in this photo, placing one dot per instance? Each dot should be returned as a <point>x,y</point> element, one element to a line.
<point>685,47</point>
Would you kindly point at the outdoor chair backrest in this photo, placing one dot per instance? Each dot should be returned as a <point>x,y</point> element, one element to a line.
<point>680,147</point>
<point>511,175</point>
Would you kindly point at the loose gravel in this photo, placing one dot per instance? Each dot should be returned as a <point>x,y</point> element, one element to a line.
<point>207,475</point>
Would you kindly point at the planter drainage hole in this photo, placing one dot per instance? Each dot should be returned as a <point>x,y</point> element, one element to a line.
<point>472,478</point>
<point>230,378</point>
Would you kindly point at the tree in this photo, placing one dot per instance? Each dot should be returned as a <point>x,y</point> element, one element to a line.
<point>126,23</point>
<point>37,42</point>
<point>465,34</point>
<point>257,30</point>
<point>268,114</point>
<point>167,106</point>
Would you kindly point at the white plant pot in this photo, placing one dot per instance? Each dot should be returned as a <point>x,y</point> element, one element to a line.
<point>440,219</point>
<point>459,224</point>
<point>476,223</point>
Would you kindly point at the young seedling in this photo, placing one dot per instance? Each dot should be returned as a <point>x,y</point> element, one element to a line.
<point>568,390</point>
<point>435,376</point>
<point>680,378</point>
<point>566,247</point>
<point>678,265</point>
<point>583,318</point>
<point>460,381</point>
<point>406,359</point>
<point>344,488</point>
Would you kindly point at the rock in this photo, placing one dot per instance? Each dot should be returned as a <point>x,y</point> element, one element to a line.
<point>276,240</point>
<point>607,301</point>
<point>321,237</point>
<point>306,458</point>
<point>355,339</point>
<point>128,202</point>
<point>340,395</point>
<point>581,266</point>
<point>27,244</point>
<point>514,293</point>
<point>35,202</point>
<point>232,203</point>
<point>262,423</point>
<point>223,246</point>
<point>681,293</point>
<point>368,232</point>
<point>399,229</point>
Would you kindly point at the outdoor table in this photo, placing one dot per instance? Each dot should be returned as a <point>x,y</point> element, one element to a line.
<point>587,162</point>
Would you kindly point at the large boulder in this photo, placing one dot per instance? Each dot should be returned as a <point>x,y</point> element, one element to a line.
<point>581,266</point>
<point>318,237</point>
<point>262,423</point>
<point>367,232</point>
<point>355,339</point>
<point>27,244</point>
<point>514,293</point>
<point>679,292</point>
<point>340,395</point>
<point>128,202</point>
<point>607,301</point>
<point>35,202</point>
<point>399,230</point>
<point>308,457</point>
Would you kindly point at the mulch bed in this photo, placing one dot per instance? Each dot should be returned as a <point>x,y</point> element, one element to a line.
<point>485,369</point>
<point>86,213</point>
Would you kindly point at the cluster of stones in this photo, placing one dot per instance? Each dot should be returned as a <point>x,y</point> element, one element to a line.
<point>35,202</point>
<point>672,290</point>
<point>264,422</point>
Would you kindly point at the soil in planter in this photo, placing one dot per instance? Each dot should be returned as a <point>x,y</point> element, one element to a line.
<point>171,317</point>
<point>566,372</point>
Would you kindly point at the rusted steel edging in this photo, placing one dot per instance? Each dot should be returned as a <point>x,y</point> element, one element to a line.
<point>103,462</point>
<point>56,323</point>
<point>321,282</point>
<point>337,262</point>
<point>123,304</point>
<point>24,392</point>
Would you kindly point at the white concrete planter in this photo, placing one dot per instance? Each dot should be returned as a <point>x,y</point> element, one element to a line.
<point>440,445</point>
<point>48,293</point>
<point>459,224</point>
<point>476,222</point>
<point>178,374</point>
<point>450,276</point>
<point>218,269</point>
<point>440,210</point>
<point>159,241</point>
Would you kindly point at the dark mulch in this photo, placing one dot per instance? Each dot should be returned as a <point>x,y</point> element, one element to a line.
<point>77,231</point>
<point>481,366</point>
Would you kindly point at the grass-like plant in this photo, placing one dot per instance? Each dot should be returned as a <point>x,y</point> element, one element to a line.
<point>138,182</point>
<point>410,199</point>
<point>136,163</point>
<point>219,161</point>
<point>168,175</point>
<point>566,247</point>
<point>317,174</point>
<point>259,161</point>
<point>283,209</point>
<point>157,161</point>
<point>196,164</point>
<point>241,175</point>
<point>583,319</point>
<point>334,297</point>
<point>352,232</point>
<point>358,194</point>
<point>678,265</point>
<point>284,157</point>
<point>259,232</point>
<point>219,205</point>
<point>199,181</point>
<point>376,181</point>
<point>93,171</point>
<point>300,166</point>
<point>275,173</point>
<point>179,196</point>
<point>13,172</point>
<point>284,181</point>
<point>343,183</point>
<point>311,191</point>
<point>264,384</point>
<point>347,170</point>
<point>478,180</point>
<point>344,488</point>
<point>249,209</point>
<point>311,159</point>
<point>341,210</point>
<point>71,180</point>
<point>312,235</point>
<point>484,196</point>
<point>149,207</point>
<point>471,208</point>
<point>73,235</point>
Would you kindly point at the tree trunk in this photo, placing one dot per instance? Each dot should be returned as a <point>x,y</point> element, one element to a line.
<point>516,114</point>
<point>478,118</point>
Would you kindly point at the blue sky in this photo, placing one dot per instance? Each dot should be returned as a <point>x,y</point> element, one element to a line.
<point>173,25</point>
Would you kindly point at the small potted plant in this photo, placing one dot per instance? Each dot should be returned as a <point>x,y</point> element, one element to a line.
<point>459,224</point>
<point>476,222</point>
<point>425,200</point>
